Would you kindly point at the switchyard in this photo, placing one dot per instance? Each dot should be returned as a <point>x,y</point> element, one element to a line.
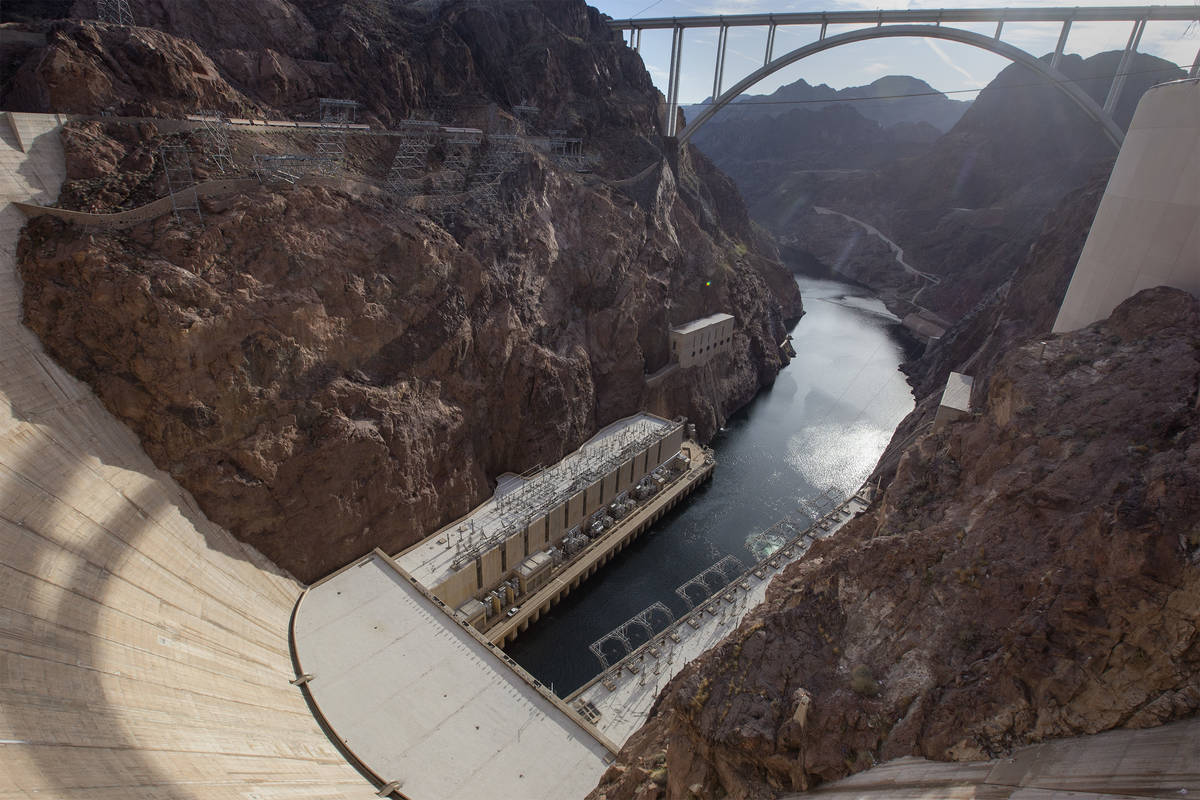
<point>618,700</point>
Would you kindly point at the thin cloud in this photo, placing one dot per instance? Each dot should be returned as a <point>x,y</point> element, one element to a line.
<point>949,62</point>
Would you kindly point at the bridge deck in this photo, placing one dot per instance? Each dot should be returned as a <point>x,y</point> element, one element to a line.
<point>943,15</point>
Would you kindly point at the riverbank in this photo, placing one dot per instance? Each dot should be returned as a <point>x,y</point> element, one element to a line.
<point>821,426</point>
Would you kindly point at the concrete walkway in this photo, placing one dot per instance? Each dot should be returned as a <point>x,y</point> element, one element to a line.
<point>1117,765</point>
<point>143,650</point>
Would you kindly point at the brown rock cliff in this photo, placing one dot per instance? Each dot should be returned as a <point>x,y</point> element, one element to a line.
<point>328,370</point>
<point>1032,572</point>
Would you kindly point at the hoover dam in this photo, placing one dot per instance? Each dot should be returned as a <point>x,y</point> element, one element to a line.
<point>146,653</point>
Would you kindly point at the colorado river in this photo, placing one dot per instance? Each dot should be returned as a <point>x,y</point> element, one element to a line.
<point>821,426</point>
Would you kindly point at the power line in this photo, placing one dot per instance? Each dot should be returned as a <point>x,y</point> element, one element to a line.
<point>647,8</point>
<point>831,100</point>
<point>932,93</point>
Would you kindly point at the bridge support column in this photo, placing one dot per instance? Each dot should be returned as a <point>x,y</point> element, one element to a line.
<point>1194,72</point>
<point>673,80</point>
<point>770,45</point>
<point>1062,43</point>
<point>1114,93</point>
<point>999,28</point>
<point>719,71</point>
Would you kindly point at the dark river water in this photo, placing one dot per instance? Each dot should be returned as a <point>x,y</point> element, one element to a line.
<point>818,430</point>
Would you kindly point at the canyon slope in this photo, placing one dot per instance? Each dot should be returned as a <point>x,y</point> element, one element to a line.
<point>964,206</point>
<point>328,368</point>
<point>1030,572</point>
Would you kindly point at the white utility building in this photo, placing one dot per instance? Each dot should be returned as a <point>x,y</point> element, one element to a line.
<point>696,342</point>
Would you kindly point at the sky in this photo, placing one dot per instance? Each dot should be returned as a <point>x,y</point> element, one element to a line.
<point>947,66</point>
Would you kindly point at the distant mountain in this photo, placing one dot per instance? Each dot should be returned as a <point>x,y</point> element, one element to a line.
<point>835,136</point>
<point>890,100</point>
<point>964,206</point>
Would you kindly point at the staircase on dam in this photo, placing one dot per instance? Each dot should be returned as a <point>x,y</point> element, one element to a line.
<point>143,650</point>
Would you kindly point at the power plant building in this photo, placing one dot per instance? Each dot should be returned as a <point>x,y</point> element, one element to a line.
<point>507,547</point>
<point>696,342</point>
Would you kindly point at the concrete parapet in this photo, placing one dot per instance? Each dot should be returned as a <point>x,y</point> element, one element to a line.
<point>1115,765</point>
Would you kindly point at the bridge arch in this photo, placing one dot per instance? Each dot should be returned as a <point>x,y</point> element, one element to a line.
<point>1014,54</point>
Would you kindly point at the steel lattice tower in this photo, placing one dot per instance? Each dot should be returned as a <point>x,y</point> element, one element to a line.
<point>336,118</point>
<point>216,139</point>
<point>117,12</point>
<point>459,148</point>
<point>504,150</point>
<point>409,165</point>
<point>177,166</point>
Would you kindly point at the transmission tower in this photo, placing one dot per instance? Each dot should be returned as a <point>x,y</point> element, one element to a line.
<point>336,118</point>
<point>504,150</point>
<point>409,165</point>
<point>116,12</point>
<point>526,114</point>
<point>177,166</point>
<point>460,146</point>
<point>216,141</point>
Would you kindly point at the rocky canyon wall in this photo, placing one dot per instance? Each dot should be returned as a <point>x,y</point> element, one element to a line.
<point>328,369</point>
<point>964,206</point>
<point>1031,572</point>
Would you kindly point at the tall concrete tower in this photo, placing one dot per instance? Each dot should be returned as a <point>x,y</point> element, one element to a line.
<point>1147,229</point>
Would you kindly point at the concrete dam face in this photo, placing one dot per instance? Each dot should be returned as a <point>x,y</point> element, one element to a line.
<point>143,650</point>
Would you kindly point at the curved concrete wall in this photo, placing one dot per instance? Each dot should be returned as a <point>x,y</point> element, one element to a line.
<point>143,650</point>
<point>151,210</point>
<point>1147,228</point>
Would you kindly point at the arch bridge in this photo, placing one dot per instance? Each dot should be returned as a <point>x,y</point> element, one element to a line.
<point>927,23</point>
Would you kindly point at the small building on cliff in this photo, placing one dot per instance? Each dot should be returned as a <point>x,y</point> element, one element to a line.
<point>956,400</point>
<point>696,342</point>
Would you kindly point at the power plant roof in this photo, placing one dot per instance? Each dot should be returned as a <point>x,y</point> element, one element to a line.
<point>519,500</point>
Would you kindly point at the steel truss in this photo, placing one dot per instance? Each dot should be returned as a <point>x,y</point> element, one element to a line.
<point>116,12</point>
<point>215,135</point>
<point>337,115</point>
<point>503,153</point>
<point>177,166</point>
<point>713,579</point>
<point>409,165</point>
<point>620,634</point>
